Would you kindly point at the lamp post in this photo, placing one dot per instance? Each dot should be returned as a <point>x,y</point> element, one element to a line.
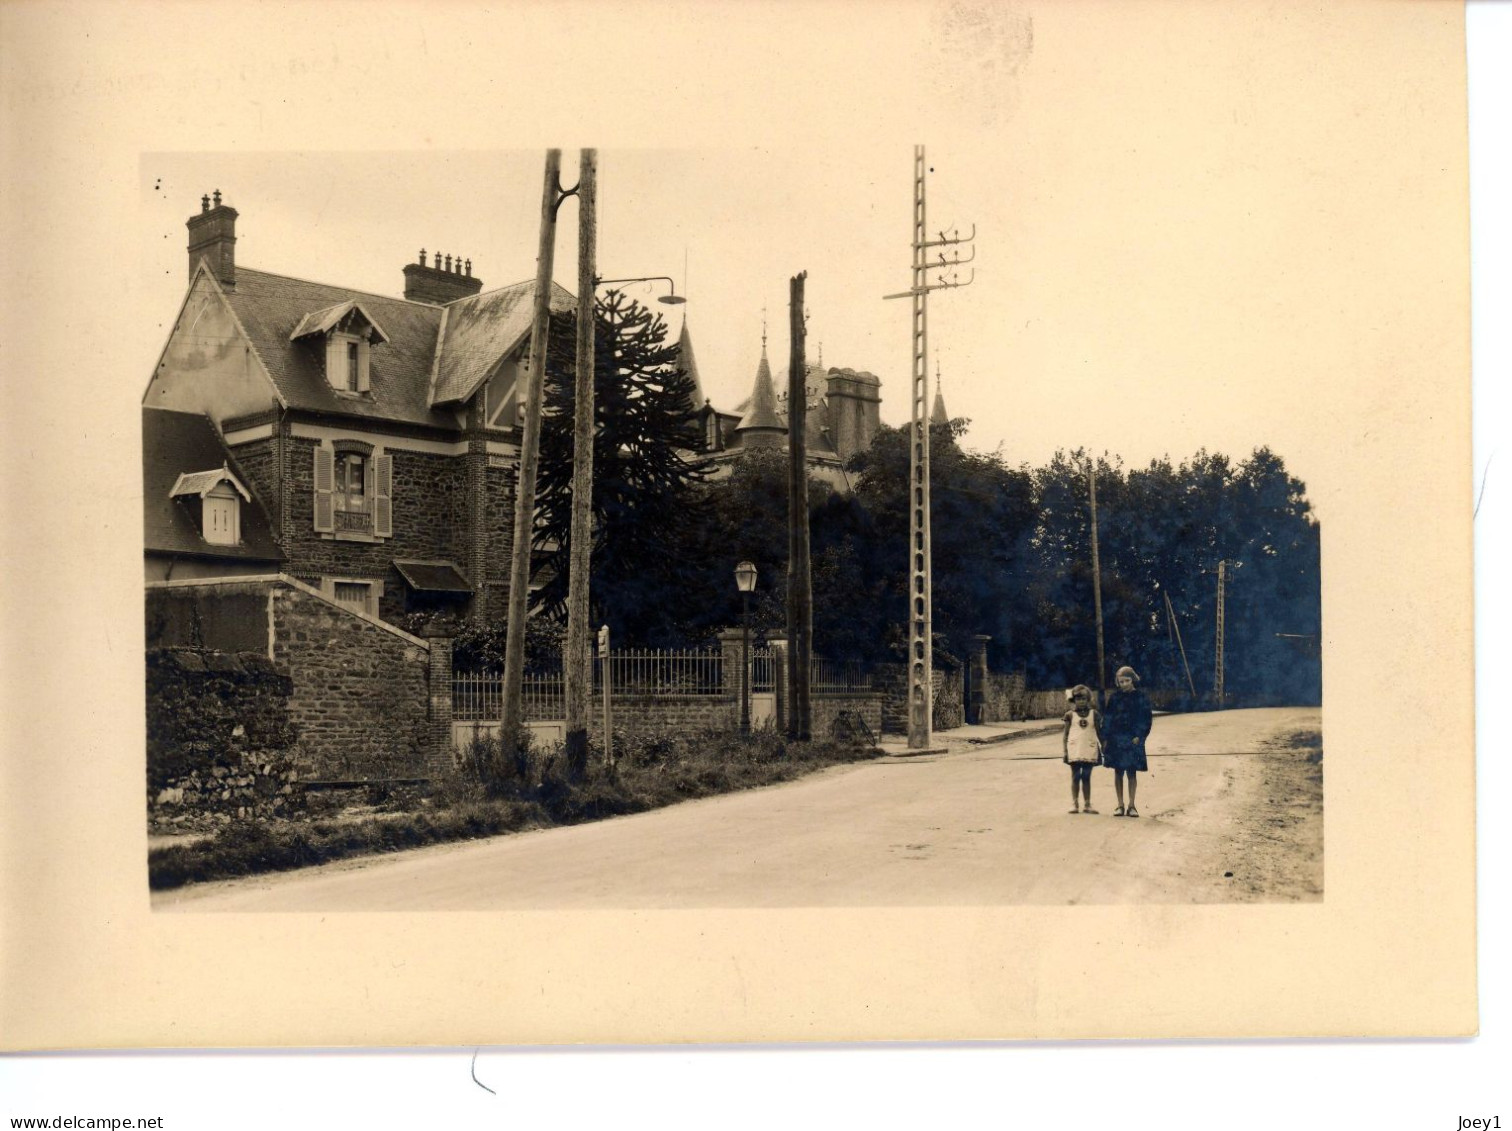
<point>745,581</point>
<point>673,299</point>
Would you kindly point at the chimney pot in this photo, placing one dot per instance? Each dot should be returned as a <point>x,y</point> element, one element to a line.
<point>440,278</point>
<point>212,238</point>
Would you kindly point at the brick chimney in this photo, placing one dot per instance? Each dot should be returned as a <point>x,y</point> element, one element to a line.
<point>212,236</point>
<point>446,280</point>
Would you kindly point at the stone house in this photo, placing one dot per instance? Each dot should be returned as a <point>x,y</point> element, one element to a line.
<point>367,443</point>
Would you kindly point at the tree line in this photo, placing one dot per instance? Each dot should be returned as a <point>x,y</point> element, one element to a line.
<point>1011,543</point>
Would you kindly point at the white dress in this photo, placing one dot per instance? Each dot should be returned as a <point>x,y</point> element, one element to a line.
<point>1082,744</point>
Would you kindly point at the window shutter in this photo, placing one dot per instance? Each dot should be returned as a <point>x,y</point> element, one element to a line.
<point>383,486</point>
<point>336,364</point>
<point>325,484</point>
<point>364,380</point>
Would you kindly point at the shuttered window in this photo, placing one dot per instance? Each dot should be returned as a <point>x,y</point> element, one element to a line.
<point>353,491</point>
<point>221,518</point>
<point>383,489</point>
<point>325,483</point>
<point>347,361</point>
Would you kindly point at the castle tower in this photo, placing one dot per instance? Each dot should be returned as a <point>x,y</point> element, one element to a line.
<point>855,400</point>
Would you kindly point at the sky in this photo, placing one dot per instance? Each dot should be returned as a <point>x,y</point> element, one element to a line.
<point>1155,272</point>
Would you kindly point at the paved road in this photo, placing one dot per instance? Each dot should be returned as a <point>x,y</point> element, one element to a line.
<point>976,825</point>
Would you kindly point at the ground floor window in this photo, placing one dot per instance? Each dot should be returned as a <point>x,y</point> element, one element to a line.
<point>356,595</point>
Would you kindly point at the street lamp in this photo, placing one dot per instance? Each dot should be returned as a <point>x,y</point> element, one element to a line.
<point>673,299</point>
<point>745,581</point>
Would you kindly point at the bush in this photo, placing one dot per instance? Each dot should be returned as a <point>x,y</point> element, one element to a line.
<point>500,788</point>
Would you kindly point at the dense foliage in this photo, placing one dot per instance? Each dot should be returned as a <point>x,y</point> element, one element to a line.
<point>1012,560</point>
<point>643,473</point>
<point>1011,544</point>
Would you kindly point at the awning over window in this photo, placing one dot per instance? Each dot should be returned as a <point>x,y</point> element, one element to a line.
<point>321,322</point>
<point>201,483</point>
<point>433,577</point>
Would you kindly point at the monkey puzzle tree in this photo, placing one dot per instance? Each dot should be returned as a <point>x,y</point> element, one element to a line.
<point>643,472</point>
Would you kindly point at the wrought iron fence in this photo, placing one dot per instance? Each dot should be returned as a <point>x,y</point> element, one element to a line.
<point>646,672</point>
<point>662,672</point>
<point>650,673</point>
<point>839,676</point>
<point>479,696</point>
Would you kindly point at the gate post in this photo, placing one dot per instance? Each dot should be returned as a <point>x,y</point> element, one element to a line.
<point>779,646</point>
<point>439,755</point>
<point>976,707</point>
<point>729,671</point>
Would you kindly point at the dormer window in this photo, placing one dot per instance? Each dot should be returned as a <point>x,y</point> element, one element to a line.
<point>214,500</point>
<point>349,333</point>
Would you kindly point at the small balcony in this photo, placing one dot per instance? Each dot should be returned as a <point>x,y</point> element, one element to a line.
<point>353,516</point>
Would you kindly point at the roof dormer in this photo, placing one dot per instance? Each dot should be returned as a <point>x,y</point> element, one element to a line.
<point>349,333</point>
<point>214,500</point>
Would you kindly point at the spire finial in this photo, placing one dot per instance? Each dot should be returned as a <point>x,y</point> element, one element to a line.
<point>763,329</point>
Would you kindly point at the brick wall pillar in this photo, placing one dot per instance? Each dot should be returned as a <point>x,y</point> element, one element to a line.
<point>779,646</point>
<point>439,757</point>
<point>476,476</point>
<point>729,648</point>
<point>976,707</point>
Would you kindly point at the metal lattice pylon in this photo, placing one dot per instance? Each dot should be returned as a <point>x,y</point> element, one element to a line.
<point>920,589</point>
<point>920,615</point>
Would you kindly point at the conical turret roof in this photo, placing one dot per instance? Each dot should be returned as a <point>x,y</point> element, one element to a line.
<point>938,415</point>
<point>761,410</point>
<point>686,361</point>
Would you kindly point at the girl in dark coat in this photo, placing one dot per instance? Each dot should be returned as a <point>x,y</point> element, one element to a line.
<point>1127,719</point>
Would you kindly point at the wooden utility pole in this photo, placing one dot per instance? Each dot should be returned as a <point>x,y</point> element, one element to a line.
<point>530,454</point>
<point>1219,628</point>
<point>800,597</point>
<point>578,661</point>
<point>1102,666</point>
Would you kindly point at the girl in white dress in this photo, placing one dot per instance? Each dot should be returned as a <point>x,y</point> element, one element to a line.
<point>1081,742</point>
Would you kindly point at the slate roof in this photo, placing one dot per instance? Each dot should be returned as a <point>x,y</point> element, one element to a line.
<point>270,307</point>
<point>938,415</point>
<point>686,361</point>
<point>761,410</point>
<point>816,420</point>
<point>481,329</point>
<point>176,443</point>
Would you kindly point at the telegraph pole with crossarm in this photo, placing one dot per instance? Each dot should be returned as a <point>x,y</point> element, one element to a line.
<point>920,617</point>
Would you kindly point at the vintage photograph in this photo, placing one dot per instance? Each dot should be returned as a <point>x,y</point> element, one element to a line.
<point>994,580</point>
<point>713,524</point>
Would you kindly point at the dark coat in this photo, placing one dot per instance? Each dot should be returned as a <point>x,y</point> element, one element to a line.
<point>1127,719</point>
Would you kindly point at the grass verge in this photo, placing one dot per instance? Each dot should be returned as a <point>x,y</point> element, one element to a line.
<point>536,794</point>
